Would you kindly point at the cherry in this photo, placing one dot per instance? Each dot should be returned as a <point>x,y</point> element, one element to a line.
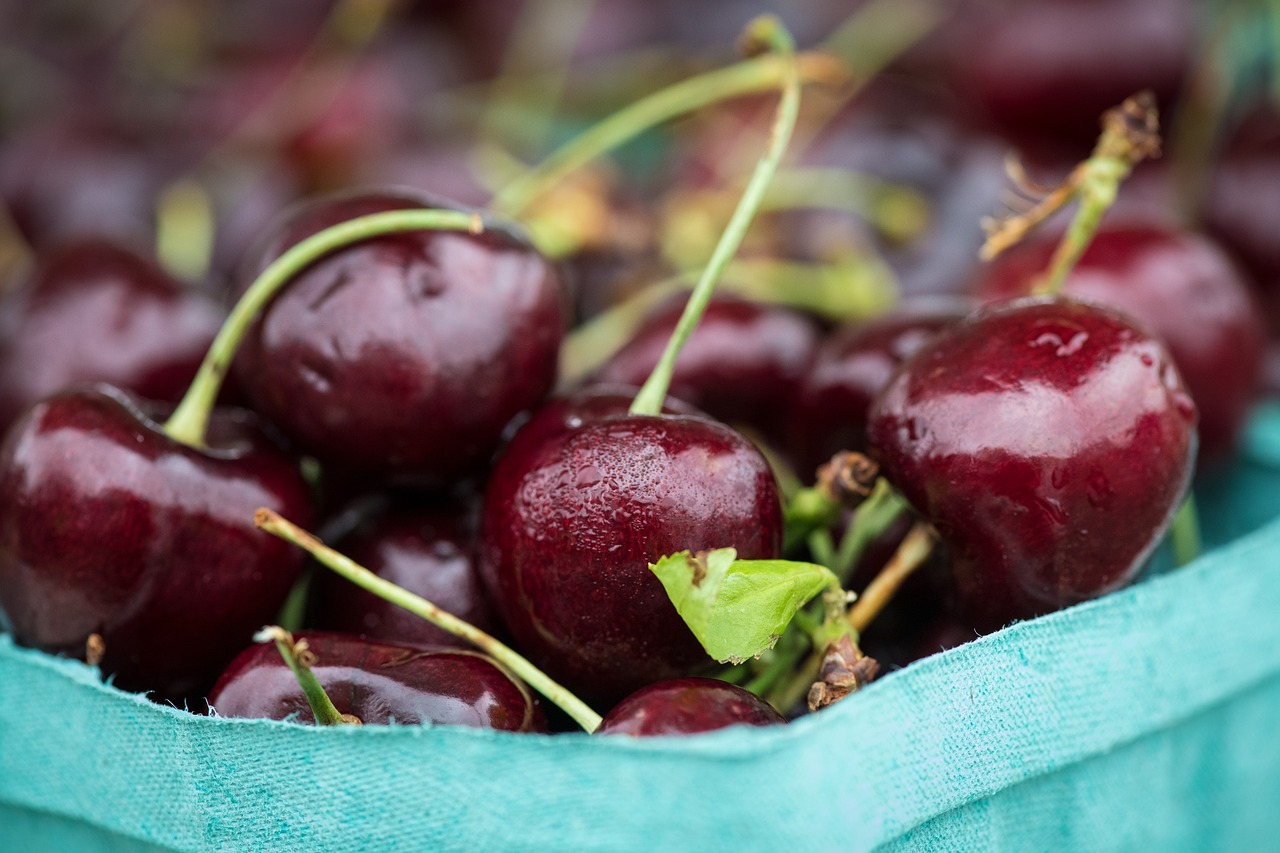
<point>1183,288</point>
<point>111,527</point>
<point>94,311</point>
<point>572,521</point>
<point>850,368</point>
<point>1049,441</point>
<point>741,365</point>
<point>681,706</point>
<point>406,355</point>
<point>380,684</point>
<point>1048,68</point>
<point>427,550</point>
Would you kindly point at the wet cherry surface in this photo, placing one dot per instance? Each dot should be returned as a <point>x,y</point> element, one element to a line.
<point>573,518</point>
<point>1050,442</point>
<point>404,356</point>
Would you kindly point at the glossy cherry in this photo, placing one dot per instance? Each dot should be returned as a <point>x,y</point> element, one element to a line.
<point>403,356</point>
<point>1182,287</point>
<point>573,517</point>
<point>110,527</point>
<point>683,706</point>
<point>380,684</point>
<point>849,370</point>
<point>1049,441</point>
<point>93,311</point>
<point>741,365</point>
<point>428,550</point>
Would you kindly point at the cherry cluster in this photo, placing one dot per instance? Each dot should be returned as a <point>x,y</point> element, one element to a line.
<point>263,280</point>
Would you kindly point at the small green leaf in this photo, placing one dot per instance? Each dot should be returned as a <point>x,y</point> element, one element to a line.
<point>738,608</point>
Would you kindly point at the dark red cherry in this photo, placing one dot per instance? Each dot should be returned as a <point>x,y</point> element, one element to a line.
<point>849,370</point>
<point>1049,441</point>
<point>93,311</point>
<point>428,550</point>
<point>109,527</point>
<point>684,706</point>
<point>741,365</point>
<point>403,356</point>
<point>1049,68</point>
<point>380,684</point>
<point>1182,287</point>
<point>572,520</point>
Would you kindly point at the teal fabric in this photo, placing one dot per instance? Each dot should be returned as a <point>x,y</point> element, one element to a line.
<point>1144,720</point>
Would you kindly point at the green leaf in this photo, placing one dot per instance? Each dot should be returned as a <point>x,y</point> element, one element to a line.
<point>738,608</point>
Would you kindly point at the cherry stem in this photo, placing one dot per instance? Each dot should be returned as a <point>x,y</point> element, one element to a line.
<point>276,525</point>
<point>1130,134</point>
<point>911,554</point>
<point>769,32</point>
<point>300,659</point>
<point>190,419</point>
<point>1185,532</point>
<point>760,74</point>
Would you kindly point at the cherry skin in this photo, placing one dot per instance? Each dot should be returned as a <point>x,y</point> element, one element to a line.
<point>428,551</point>
<point>741,365</point>
<point>403,356</point>
<point>683,706</point>
<point>1182,287</point>
<point>110,527</point>
<point>849,370</point>
<point>572,520</point>
<point>1049,441</point>
<point>93,311</point>
<point>380,684</point>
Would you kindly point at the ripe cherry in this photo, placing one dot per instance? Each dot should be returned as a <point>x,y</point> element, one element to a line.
<point>108,526</point>
<point>428,550</point>
<point>682,706</point>
<point>741,365</point>
<point>379,684</point>
<point>94,311</point>
<point>403,356</point>
<point>571,522</point>
<point>1049,441</point>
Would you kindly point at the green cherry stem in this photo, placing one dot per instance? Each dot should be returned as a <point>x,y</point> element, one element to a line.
<point>1185,532</point>
<point>770,32</point>
<point>760,74</point>
<point>1130,134</point>
<point>276,525</point>
<point>190,419</point>
<point>300,659</point>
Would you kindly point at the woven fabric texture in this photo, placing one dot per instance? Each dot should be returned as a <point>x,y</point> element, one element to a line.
<point>1144,720</point>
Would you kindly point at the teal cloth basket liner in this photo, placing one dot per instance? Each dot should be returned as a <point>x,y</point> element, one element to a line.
<point>1149,719</point>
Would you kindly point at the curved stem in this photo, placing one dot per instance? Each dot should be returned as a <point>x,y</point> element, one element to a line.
<point>1130,134</point>
<point>274,524</point>
<point>754,75</point>
<point>189,420</point>
<point>911,554</point>
<point>771,32</point>
<point>299,660</point>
